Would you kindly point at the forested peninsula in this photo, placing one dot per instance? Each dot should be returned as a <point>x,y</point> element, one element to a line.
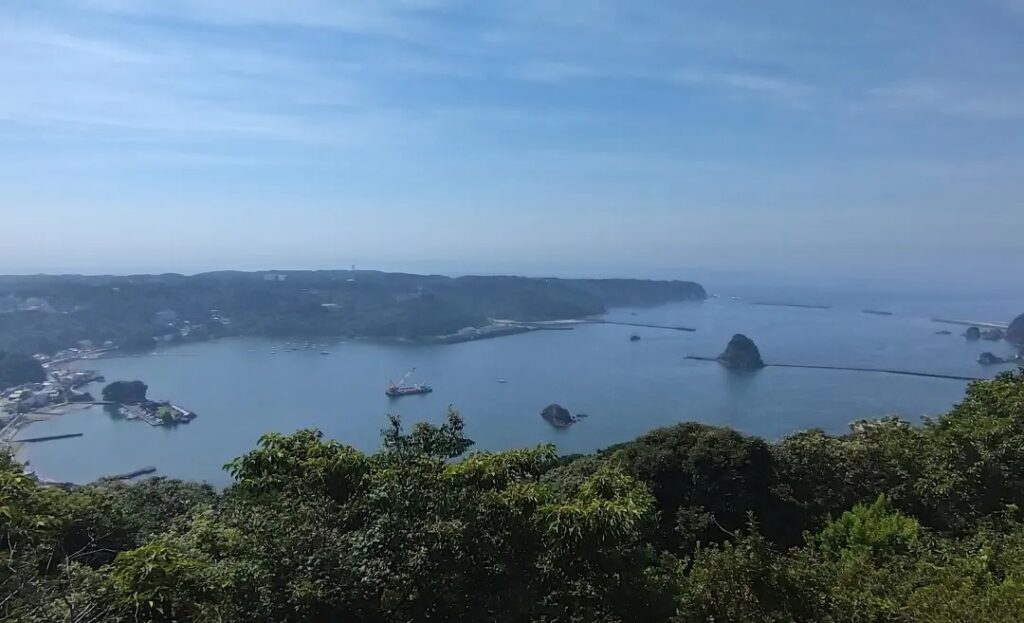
<point>45,314</point>
<point>892,522</point>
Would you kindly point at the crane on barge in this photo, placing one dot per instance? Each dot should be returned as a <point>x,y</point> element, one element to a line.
<point>398,389</point>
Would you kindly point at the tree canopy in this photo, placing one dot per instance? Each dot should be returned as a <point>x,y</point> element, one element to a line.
<point>891,522</point>
<point>128,392</point>
<point>18,369</point>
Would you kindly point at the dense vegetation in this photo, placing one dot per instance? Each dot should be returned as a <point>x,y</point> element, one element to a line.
<point>128,392</point>
<point>45,314</point>
<point>16,369</point>
<point>891,522</point>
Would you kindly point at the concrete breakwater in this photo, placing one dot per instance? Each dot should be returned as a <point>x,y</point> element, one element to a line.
<point>641,324</point>
<point>951,377</point>
<point>796,305</point>
<point>972,323</point>
<point>128,475</point>
<point>47,438</point>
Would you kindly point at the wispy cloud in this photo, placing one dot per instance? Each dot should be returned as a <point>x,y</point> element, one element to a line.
<point>788,91</point>
<point>554,72</point>
<point>380,17</point>
<point>974,103</point>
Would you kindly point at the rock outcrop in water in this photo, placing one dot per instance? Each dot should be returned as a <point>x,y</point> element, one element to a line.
<point>993,335</point>
<point>989,359</point>
<point>1015,332</point>
<point>557,415</point>
<point>972,333</point>
<point>741,354</point>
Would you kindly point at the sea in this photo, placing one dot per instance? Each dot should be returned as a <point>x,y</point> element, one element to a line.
<point>242,388</point>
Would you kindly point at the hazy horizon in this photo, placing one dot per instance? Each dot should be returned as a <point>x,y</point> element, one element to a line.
<point>793,140</point>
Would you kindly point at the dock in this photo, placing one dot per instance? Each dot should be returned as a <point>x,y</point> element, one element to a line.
<point>973,323</point>
<point>135,411</point>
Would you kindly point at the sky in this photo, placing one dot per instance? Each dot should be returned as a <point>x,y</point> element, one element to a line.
<point>599,137</point>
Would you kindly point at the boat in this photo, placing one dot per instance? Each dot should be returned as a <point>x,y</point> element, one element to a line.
<point>324,352</point>
<point>503,380</point>
<point>634,338</point>
<point>396,390</point>
<point>408,390</point>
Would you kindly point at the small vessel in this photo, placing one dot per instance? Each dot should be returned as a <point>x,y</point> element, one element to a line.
<point>634,338</point>
<point>398,389</point>
<point>503,380</point>
<point>324,352</point>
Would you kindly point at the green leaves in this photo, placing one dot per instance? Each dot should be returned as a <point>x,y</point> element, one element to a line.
<point>872,531</point>
<point>300,463</point>
<point>892,523</point>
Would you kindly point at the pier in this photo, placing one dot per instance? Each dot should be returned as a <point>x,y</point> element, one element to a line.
<point>930,375</point>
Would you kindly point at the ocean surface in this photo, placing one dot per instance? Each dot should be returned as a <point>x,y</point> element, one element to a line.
<point>241,389</point>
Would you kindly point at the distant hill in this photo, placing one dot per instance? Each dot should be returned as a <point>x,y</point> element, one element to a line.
<point>46,313</point>
<point>16,369</point>
<point>1015,332</point>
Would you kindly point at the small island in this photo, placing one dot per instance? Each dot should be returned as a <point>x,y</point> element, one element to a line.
<point>129,397</point>
<point>993,335</point>
<point>741,354</point>
<point>558,416</point>
<point>990,359</point>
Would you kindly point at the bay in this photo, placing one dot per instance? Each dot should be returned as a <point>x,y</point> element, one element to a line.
<point>241,388</point>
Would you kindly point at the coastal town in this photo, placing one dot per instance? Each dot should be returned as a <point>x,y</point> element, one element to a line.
<point>61,391</point>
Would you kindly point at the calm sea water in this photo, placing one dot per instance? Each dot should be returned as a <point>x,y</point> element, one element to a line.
<point>241,390</point>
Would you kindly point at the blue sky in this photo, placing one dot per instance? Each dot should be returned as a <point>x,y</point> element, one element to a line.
<point>575,137</point>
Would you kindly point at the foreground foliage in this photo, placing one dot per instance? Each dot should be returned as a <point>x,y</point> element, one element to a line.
<point>892,522</point>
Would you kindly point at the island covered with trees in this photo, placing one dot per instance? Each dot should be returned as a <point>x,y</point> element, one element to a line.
<point>44,314</point>
<point>893,521</point>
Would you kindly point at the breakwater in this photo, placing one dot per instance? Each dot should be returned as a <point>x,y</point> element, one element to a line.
<point>47,438</point>
<point>129,475</point>
<point>641,324</point>
<point>972,323</point>
<point>797,305</point>
<point>931,375</point>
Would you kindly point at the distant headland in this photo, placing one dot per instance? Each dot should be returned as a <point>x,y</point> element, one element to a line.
<point>47,314</point>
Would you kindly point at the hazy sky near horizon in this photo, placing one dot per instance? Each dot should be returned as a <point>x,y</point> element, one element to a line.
<point>600,136</point>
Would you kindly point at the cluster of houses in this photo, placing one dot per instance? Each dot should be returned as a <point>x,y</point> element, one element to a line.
<point>60,388</point>
<point>86,349</point>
